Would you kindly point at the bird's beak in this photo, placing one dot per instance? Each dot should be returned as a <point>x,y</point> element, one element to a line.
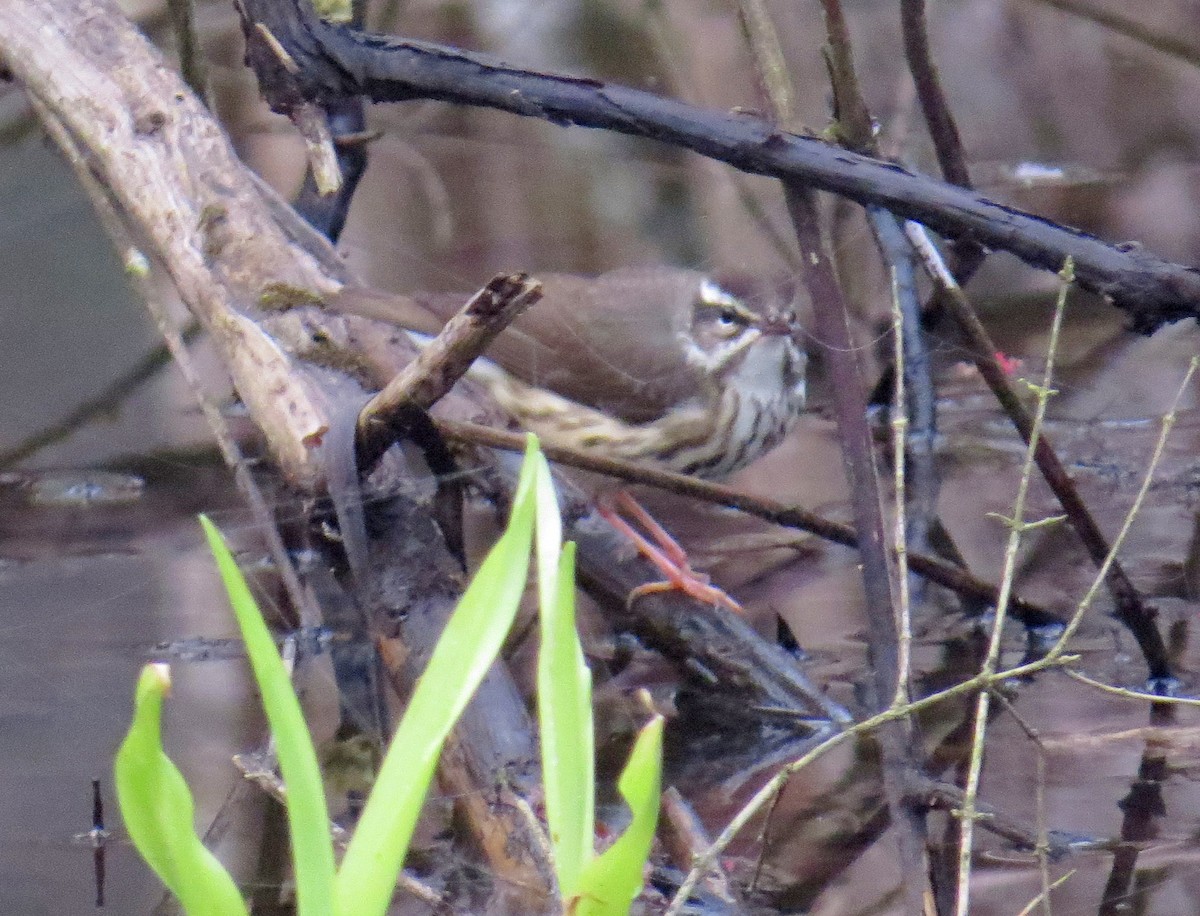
<point>778,324</point>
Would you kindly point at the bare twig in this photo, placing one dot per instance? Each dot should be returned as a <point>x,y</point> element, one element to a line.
<point>933,568</point>
<point>1043,847</point>
<point>854,126</point>
<point>443,361</point>
<point>1130,608</point>
<point>1057,657</point>
<point>942,129</point>
<point>1139,696</point>
<point>1017,527</point>
<point>900,695</point>
<point>307,614</point>
<point>879,574</point>
<point>327,213</point>
<point>310,121</point>
<point>1043,898</point>
<point>1168,423</point>
<point>685,837</point>
<point>185,192</point>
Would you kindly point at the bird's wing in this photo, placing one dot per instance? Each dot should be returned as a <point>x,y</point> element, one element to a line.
<point>607,341</point>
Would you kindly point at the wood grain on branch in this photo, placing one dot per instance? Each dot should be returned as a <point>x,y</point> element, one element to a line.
<point>173,172</point>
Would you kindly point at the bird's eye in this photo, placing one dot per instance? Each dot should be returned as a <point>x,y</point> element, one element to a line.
<point>727,318</point>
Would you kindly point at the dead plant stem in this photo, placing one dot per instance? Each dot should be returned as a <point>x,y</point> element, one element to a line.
<point>899,525</point>
<point>1017,527</point>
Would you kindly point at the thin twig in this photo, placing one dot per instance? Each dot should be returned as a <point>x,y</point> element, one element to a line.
<point>1043,898</point>
<point>340,62</point>
<point>109,399</point>
<point>942,130</point>
<point>900,524</point>
<point>1168,423</point>
<point>1131,610</point>
<point>1042,850</point>
<point>857,444</point>
<point>879,575</point>
<point>771,789</point>
<point>1173,45</point>
<point>933,568</point>
<point>1017,527</point>
<point>327,212</point>
<point>310,122</point>
<point>1139,696</point>
<point>855,128</point>
<point>942,796</point>
<point>684,837</point>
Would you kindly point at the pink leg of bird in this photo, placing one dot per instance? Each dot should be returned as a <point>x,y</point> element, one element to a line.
<point>664,552</point>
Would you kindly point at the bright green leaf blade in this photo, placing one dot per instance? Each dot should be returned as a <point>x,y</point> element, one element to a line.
<point>308,816</point>
<point>565,721</point>
<point>158,809</point>
<point>564,697</point>
<point>547,531</point>
<point>466,650</point>
<point>612,881</point>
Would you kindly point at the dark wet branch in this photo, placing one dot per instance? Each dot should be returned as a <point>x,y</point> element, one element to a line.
<point>935,108</point>
<point>858,452</point>
<point>921,476</point>
<point>347,122</point>
<point>939,120</point>
<point>335,62</point>
<point>855,129</point>
<point>936,570</point>
<point>1144,809</point>
<point>900,750</point>
<point>944,796</point>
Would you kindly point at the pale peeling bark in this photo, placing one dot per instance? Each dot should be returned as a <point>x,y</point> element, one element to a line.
<point>174,176</point>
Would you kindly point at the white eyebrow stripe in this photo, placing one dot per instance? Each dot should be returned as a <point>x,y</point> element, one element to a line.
<point>712,293</point>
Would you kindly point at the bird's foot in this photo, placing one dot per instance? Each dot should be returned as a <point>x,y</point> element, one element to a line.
<point>665,553</point>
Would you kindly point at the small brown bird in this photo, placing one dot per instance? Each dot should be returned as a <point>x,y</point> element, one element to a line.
<point>658,365</point>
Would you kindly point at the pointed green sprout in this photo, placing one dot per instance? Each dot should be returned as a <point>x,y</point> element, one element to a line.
<point>158,809</point>
<point>613,879</point>
<point>308,816</point>
<point>607,885</point>
<point>564,700</point>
